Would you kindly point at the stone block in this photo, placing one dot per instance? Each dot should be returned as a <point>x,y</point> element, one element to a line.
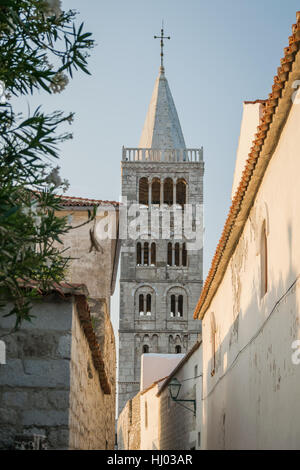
<point>15,399</point>
<point>64,346</point>
<point>36,417</point>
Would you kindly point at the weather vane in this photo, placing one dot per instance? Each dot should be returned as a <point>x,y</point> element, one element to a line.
<point>162,37</point>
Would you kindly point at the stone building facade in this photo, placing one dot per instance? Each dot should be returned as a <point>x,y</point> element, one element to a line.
<point>94,252</point>
<point>160,280</point>
<point>160,422</point>
<point>57,383</point>
<point>52,383</point>
<point>250,303</point>
<point>129,425</point>
<point>179,428</point>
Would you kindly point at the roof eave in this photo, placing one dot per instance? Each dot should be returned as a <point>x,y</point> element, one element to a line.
<point>274,117</point>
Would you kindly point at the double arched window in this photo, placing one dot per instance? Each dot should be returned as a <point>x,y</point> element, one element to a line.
<point>177,254</point>
<point>177,303</point>
<point>146,254</point>
<point>145,301</point>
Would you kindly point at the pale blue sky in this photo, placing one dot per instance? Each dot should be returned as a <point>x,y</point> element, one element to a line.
<point>220,54</point>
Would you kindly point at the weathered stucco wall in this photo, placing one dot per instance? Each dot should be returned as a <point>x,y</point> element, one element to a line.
<point>178,427</point>
<point>150,419</point>
<point>251,401</point>
<point>93,258</point>
<point>91,411</point>
<point>129,425</point>
<point>250,120</point>
<point>165,424</point>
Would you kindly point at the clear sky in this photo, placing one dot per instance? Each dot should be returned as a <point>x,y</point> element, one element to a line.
<point>220,54</point>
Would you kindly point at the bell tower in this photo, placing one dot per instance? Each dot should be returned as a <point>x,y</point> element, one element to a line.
<point>162,252</point>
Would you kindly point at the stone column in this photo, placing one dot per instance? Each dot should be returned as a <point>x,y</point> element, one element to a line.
<point>150,193</point>
<point>174,192</point>
<point>161,192</point>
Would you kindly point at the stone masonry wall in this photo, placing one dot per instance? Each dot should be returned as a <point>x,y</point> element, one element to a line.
<point>35,381</point>
<point>87,401</point>
<point>49,385</point>
<point>129,425</point>
<point>159,331</point>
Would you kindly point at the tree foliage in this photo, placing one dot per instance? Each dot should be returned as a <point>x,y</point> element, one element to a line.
<point>40,47</point>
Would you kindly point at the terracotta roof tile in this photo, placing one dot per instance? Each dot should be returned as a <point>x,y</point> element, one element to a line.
<point>85,202</point>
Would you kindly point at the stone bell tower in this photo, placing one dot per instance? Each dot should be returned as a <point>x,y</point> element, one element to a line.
<point>161,271</point>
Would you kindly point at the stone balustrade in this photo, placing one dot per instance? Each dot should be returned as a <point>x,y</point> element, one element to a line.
<point>158,155</point>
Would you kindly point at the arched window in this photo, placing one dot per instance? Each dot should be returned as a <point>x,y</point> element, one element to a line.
<point>138,254</point>
<point>168,191</point>
<point>173,306</point>
<point>177,303</point>
<point>178,349</point>
<point>146,254</point>
<point>169,254</point>
<point>177,256</point>
<point>145,305</point>
<point>181,192</point>
<point>141,304</point>
<point>153,254</point>
<point>156,191</point>
<point>145,349</point>
<point>264,261</point>
<point>143,191</point>
<point>184,255</point>
<point>148,304</point>
<point>180,306</point>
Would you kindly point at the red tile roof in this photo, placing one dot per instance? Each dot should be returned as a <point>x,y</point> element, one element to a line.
<point>256,101</point>
<point>85,202</point>
<point>268,114</point>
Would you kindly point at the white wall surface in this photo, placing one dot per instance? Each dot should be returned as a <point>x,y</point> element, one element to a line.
<point>250,121</point>
<point>252,401</point>
<point>157,366</point>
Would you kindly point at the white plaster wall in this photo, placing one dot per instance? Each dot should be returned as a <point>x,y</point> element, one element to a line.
<point>150,426</point>
<point>169,425</point>
<point>157,366</point>
<point>252,401</point>
<point>179,427</point>
<point>250,121</point>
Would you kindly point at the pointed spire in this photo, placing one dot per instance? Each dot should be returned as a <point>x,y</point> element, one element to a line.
<point>162,128</point>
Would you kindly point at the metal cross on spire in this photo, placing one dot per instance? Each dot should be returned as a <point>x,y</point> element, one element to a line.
<point>162,37</point>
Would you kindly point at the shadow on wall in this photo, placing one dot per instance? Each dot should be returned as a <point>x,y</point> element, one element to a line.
<point>252,382</point>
